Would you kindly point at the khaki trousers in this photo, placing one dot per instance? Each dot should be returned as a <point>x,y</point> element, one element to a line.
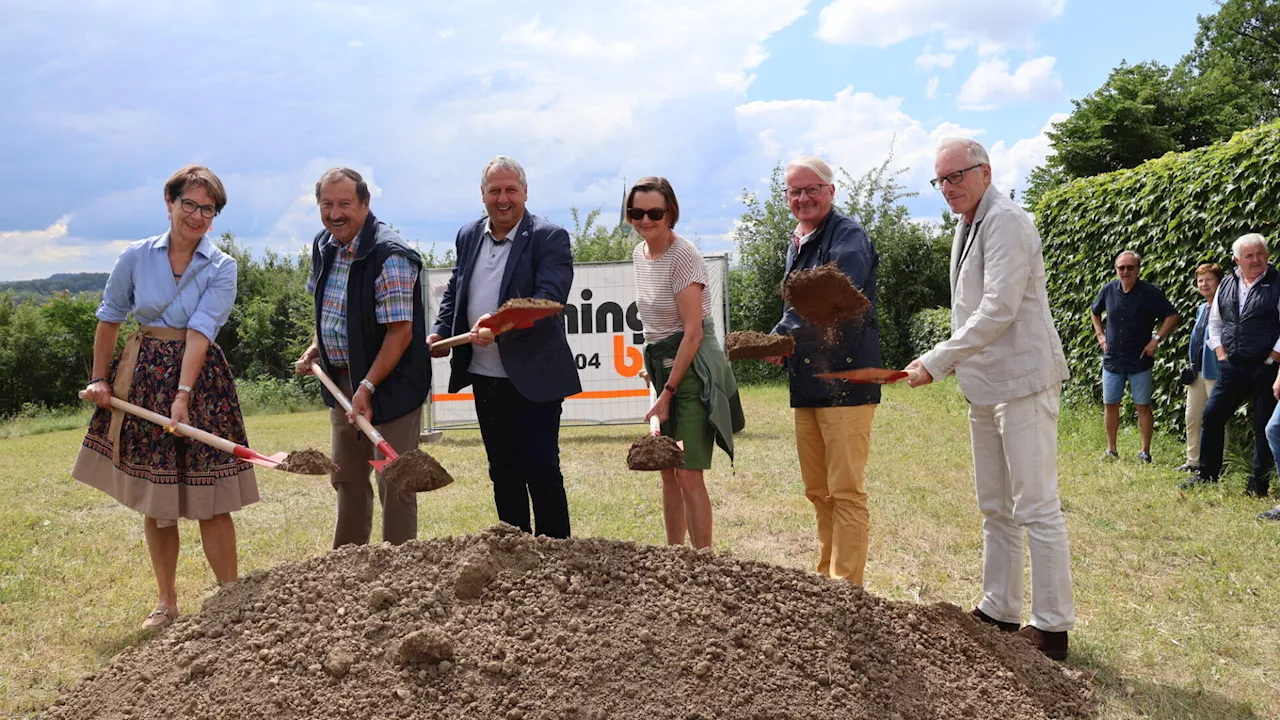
<point>352,452</point>
<point>1197,395</point>
<point>833,444</point>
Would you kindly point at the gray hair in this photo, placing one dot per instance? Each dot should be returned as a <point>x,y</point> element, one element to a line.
<point>502,162</point>
<point>1135,255</point>
<point>341,173</point>
<point>1247,240</point>
<point>976,153</point>
<point>817,165</point>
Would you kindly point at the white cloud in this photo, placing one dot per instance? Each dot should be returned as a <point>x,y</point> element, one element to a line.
<point>931,89</point>
<point>936,60</point>
<point>31,254</point>
<point>991,84</point>
<point>882,23</point>
<point>854,130</point>
<point>1012,163</point>
<point>446,33</point>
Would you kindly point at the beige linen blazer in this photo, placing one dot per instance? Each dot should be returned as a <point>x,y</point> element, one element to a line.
<point>1003,344</point>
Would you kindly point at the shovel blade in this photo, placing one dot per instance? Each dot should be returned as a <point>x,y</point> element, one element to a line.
<point>866,375</point>
<point>379,464</point>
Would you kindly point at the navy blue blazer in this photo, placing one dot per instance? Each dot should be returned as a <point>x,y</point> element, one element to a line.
<point>538,360</point>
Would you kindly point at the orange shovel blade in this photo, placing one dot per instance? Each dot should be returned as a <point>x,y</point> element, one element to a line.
<point>866,375</point>
<point>518,318</point>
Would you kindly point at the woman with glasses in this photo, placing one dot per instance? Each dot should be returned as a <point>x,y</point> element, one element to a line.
<point>180,289</point>
<point>698,402</point>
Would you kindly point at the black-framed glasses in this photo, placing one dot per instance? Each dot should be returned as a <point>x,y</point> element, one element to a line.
<point>954,178</point>
<point>655,214</point>
<point>812,190</point>
<point>189,206</point>
<point>1123,268</point>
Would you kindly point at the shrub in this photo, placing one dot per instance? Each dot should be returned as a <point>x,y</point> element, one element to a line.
<point>1177,211</point>
<point>928,328</point>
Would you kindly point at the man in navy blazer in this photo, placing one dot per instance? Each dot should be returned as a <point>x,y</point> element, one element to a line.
<point>521,377</point>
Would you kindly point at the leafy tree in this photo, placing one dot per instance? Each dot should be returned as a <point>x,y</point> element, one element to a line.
<point>1237,59</point>
<point>593,242</point>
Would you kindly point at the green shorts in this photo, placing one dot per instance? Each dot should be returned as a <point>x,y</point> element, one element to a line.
<point>688,423</point>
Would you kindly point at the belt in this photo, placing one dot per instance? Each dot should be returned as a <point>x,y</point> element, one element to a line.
<point>124,375</point>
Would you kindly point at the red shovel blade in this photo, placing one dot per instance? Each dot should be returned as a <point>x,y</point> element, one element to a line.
<point>518,318</point>
<point>389,455</point>
<point>258,458</point>
<point>866,375</point>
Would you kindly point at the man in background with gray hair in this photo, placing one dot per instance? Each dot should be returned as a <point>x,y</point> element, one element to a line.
<point>1008,359</point>
<point>1133,307</point>
<point>1244,333</point>
<point>521,377</point>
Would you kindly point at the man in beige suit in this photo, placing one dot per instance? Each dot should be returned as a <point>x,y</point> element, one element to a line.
<point>1008,359</point>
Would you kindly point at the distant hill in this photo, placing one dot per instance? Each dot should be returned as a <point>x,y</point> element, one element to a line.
<point>60,282</point>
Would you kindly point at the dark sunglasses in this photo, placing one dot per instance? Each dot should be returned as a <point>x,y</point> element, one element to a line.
<point>655,214</point>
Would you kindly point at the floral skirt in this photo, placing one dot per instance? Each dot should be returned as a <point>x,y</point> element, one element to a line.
<point>162,475</point>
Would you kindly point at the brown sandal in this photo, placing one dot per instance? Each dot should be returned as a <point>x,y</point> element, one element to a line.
<point>159,618</point>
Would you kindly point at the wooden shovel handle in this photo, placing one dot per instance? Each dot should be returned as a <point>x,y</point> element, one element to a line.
<point>462,339</point>
<point>183,429</point>
<point>362,422</point>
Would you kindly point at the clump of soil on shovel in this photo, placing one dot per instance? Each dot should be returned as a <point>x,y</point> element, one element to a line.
<point>415,471</point>
<point>824,296</point>
<point>583,629</point>
<point>530,304</point>
<point>307,462</point>
<point>752,345</point>
<point>655,452</point>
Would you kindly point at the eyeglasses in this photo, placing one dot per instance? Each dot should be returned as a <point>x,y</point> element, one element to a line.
<point>1123,268</point>
<point>655,214</point>
<point>954,178</point>
<point>189,206</point>
<point>812,191</point>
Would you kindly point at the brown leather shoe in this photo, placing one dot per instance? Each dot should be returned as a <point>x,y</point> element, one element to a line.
<point>1052,644</point>
<point>1004,626</point>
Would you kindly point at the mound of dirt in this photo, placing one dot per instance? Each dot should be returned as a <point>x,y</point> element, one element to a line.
<point>752,345</point>
<point>655,452</point>
<point>307,462</point>
<point>824,296</point>
<point>568,630</point>
<point>415,471</point>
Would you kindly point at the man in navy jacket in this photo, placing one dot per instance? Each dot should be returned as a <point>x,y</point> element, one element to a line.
<point>521,377</point>
<point>833,418</point>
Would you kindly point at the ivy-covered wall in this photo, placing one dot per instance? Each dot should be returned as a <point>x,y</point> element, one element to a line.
<point>1176,211</point>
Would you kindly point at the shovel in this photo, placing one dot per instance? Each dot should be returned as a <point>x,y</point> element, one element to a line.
<point>655,430</point>
<point>365,426</point>
<point>878,376</point>
<point>208,438</point>
<point>506,318</point>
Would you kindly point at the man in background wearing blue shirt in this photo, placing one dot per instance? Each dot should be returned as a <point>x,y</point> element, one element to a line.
<point>1133,308</point>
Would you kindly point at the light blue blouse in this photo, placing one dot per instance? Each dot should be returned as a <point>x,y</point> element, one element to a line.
<point>142,282</point>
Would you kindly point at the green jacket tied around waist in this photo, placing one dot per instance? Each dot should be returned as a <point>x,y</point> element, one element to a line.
<point>719,388</point>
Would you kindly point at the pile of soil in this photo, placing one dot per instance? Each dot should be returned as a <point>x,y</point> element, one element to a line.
<point>655,452</point>
<point>307,462</point>
<point>504,625</point>
<point>415,471</point>
<point>824,296</point>
<point>752,345</point>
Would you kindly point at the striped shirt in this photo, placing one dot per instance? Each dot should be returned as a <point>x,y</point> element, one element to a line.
<point>393,298</point>
<point>658,281</point>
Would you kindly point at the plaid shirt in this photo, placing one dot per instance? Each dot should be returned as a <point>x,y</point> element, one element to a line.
<point>393,295</point>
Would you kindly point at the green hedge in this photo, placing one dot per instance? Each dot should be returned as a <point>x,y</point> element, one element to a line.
<point>1177,211</point>
<point>928,328</point>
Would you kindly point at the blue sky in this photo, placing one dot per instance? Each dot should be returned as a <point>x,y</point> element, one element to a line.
<point>101,100</point>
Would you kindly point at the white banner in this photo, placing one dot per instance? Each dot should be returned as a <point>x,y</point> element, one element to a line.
<point>605,335</point>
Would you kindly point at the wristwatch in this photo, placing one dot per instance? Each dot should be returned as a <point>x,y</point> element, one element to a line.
<point>1155,336</point>
<point>367,385</point>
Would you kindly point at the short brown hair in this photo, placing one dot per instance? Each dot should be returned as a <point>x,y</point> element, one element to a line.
<point>1213,269</point>
<point>663,188</point>
<point>339,173</point>
<point>199,176</point>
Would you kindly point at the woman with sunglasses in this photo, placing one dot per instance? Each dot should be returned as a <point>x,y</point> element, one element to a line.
<point>698,402</point>
<point>180,289</point>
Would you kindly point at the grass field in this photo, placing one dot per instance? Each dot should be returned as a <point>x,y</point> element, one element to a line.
<point>1178,597</point>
